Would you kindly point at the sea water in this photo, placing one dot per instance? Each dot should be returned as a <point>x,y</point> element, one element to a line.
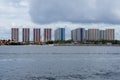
<point>59,63</point>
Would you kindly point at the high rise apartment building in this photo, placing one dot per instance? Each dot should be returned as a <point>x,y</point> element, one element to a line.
<point>60,34</point>
<point>47,34</point>
<point>102,35</point>
<point>37,35</point>
<point>110,34</point>
<point>93,34</point>
<point>26,35</point>
<point>15,34</point>
<point>78,34</point>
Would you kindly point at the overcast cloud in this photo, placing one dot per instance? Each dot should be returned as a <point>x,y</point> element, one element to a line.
<point>76,11</point>
<point>100,14</point>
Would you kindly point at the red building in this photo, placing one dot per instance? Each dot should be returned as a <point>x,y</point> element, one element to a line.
<point>15,34</point>
<point>26,35</point>
<point>37,35</point>
<point>47,34</point>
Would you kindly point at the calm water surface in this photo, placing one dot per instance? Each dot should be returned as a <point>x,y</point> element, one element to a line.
<point>59,63</point>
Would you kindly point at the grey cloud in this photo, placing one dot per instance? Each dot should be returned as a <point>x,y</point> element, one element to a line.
<point>13,3</point>
<point>76,11</point>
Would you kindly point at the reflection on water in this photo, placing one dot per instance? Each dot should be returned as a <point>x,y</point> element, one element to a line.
<point>59,63</point>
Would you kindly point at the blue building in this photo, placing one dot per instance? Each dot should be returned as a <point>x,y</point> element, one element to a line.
<point>102,34</point>
<point>60,34</point>
<point>78,34</point>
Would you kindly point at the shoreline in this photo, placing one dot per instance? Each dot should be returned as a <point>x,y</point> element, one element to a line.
<point>86,45</point>
<point>67,45</point>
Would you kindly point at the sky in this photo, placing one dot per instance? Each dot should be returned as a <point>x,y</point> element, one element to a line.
<point>53,14</point>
